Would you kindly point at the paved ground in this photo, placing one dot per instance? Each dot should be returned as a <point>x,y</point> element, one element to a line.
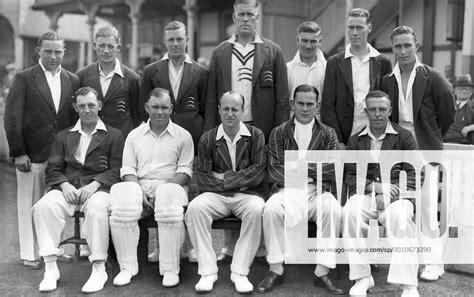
<point>16,280</point>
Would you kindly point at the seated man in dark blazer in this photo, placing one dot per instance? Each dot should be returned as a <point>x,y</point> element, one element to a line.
<point>380,134</point>
<point>84,163</point>
<point>229,169</point>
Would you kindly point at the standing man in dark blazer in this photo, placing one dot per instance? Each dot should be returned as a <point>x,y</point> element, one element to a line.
<point>184,78</point>
<point>38,105</point>
<point>254,67</point>
<point>350,75</point>
<point>117,85</point>
<point>423,103</point>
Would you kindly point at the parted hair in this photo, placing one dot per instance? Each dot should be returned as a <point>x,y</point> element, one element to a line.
<point>50,35</point>
<point>360,12</point>
<point>158,92</point>
<point>309,27</point>
<point>84,91</point>
<point>403,30</point>
<point>378,94</point>
<point>108,32</point>
<point>175,25</point>
<point>306,89</point>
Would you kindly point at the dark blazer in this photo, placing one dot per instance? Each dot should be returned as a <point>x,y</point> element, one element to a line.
<point>120,104</point>
<point>433,106</point>
<point>103,159</point>
<point>282,139</point>
<point>270,96</point>
<point>31,121</point>
<point>401,141</point>
<point>337,105</point>
<point>213,155</point>
<point>188,112</point>
<point>462,118</point>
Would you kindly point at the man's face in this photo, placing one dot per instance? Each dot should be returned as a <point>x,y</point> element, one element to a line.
<point>106,49</point>
<point>378,110</point>
<point>51,54</point>
<point>308,44</point>
<point>404,49</point>
<point>159,110</point>
<point>305,106</point>
<point>231,111</point>
<point>176,42</point>
<point>245,17</point>
<point>88,107</point>
<point>358,30</point>
<point>463,93</point>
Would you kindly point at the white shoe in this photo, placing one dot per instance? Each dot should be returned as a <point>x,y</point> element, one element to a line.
<point>206,283</point>
<point>361,286</point>
<point>241,282</point>
<point>154,256</point>
<point>410,291</point>
<point>97,279</point>
<point>50,279</point>
<point>123,278</point>
<point>431,273</point>
<point>192,257</point>
<point>170,280</point>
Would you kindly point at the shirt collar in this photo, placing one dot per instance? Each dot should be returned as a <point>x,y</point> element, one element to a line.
<point>300,124</point>
<point>372,51</point>
<point>117,69</point>
<point>170,128</point>
<point>320,57</point>
<point>396,68</point>
<point>187,58</point>
<point>44,69</point>
<point>388,130</point>
<point>233,39</point>
<point>78,127</point>
<point>243,131</point>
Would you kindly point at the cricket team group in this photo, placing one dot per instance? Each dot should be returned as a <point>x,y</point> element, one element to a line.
<point>111,144</point>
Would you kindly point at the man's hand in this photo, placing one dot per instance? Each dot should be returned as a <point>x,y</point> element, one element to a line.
<point>87,191</point>
<point>23,163</point>
<point>148,203</point>
<point>70,193</point>
<point>467,129</point>
<point>218,175</point>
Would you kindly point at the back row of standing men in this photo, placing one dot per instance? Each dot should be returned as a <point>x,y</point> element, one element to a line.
<point>39,104</point>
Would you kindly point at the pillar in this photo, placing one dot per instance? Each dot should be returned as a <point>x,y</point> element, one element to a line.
<point>53,16</point>
<point>135,16</point>
<point>468,39</point>
<point>90,9</point>
<point>190,8</point>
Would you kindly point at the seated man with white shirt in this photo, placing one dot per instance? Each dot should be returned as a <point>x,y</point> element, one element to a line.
<point>158,155</point>
<point>83,165</point>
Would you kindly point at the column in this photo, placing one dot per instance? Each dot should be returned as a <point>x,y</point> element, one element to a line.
<point>190,8</point>
<point>468,39</point>
<point>53,16</point>
<point>81,55</point>
<point>135,16</point>
<point>90,9</point>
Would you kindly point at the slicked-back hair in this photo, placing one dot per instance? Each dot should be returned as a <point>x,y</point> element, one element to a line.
<point>403,30</point>
<point>175,25</point>
<point>233,93</point>
<point>108,32</point>
<point>306,89</point>
<point>84,91</point>
<point>378,94</point>
<point>158,93</point>
<point>309,27</point>
<point>360,12</point>
<point>50,35</point>
<point>256,2</point>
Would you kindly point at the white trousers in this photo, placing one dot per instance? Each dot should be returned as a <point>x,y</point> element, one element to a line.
<point>356,216</point>
<point>323,208</point>
<point>211,206</point>
<point>30,188</point>
<point>50,215</point>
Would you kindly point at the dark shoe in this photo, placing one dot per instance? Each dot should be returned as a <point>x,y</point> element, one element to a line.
<point>271,280</point>
<point>325,282</point>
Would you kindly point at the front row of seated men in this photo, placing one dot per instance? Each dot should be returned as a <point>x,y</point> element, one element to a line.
<point>157,165</point>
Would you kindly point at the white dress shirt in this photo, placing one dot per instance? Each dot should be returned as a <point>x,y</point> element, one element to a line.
<point>54,83</point>
<point>176,76</point>
<point>360,85</point>
<point>303,134</point>
<point>300,73</point>
<point>85,140</point>
<point>242,71</point>
<point>376,142</point>
<point>232,144</point>
<point>106,80</point>
<point>150,156</point>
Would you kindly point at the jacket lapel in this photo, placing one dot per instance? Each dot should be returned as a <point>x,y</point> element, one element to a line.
<point>259,59</point>
<point>65,87</point>
<point>93,79</point>
<point>116,82</point>
<point>364,143</point>
<point>226,62</point>
<point>375,72</point>
<point>389,142</point>
<point>242,145</point>
<point>42,85</point>
<point>97,139</point>
<point>72,142</point>
<point>223,152</point>
<point>316,140</point>
<point>418,90</point>
<point>163,77</point>
<point>188,74</point>
<point>346,70</point>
